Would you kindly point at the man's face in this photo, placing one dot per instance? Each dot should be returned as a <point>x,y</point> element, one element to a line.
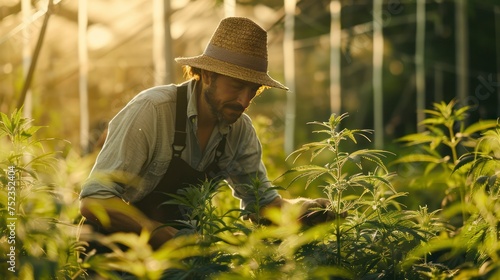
<point>228,97</point>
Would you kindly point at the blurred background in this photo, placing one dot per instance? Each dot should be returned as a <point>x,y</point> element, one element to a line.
<point>74,64</point>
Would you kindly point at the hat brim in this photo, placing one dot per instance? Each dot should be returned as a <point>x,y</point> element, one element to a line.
<point>214,65</point>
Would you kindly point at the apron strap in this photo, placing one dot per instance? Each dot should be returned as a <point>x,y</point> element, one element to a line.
<point>180,122</point>
<point>180,133</point>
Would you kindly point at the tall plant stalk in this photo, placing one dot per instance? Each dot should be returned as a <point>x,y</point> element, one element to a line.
<point>335,175</point>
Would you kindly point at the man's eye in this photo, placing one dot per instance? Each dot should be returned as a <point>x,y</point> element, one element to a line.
<point>238,86</point>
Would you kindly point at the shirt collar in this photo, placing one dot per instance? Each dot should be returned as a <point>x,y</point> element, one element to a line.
<point>192,108</point>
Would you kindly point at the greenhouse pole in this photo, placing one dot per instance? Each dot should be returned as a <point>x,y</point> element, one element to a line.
<point>335,63</point>
<point>438,82</point>
<point>462,50</point>
<point>419,63</point>
<point>162,43</point>
<point>289,72</point>
<point>378,60</point>
<point>26,53</point>
<point>169,58</point>
<point>229,8</point>
<point>83,74</point>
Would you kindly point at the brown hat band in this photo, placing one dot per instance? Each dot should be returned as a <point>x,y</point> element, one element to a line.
<point>240,59</point>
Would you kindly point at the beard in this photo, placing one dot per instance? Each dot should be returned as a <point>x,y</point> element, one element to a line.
<point>226,113</point>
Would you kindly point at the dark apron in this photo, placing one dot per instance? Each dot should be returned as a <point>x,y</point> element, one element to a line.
<point>179,175</point>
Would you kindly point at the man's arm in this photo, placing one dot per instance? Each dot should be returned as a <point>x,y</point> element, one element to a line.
<point>114,215</point>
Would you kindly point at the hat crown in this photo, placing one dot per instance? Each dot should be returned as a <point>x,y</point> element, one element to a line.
<point>241,42</point>
<point>241,35</point>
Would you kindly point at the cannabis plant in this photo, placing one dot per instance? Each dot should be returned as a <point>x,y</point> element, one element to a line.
<point>37,226</point>
<point>371,233</point>
<point>452,154</point>
<point>433,154</point>
<point>192,254</point>
<point>484,162</point>
<point>481,232</point>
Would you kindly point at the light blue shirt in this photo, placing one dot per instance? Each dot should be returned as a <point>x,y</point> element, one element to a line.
<point>138,150</point>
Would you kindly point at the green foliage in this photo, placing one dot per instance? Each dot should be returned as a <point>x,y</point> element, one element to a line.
<point>202,217</point>
<point>272,141</point>
<point>37,218</point>
<point>484,162</point>
<point>433,154</point>
<point>132,255</point>
<point>377,232</point>
<point>466,250</point>
<point>481,231</point>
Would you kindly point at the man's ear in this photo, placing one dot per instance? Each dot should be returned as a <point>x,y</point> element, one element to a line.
<point>206,77</point>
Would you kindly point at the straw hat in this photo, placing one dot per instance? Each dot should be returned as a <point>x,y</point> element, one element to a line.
<point>238,48</point>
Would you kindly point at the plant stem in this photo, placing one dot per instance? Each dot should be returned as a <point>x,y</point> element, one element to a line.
<point>337,231</point>
<point>453,144</point>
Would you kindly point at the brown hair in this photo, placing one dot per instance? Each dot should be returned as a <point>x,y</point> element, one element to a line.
<point>191,72</point>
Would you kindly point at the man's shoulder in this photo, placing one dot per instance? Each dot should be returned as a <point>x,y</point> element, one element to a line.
<point>157,95</point>
<point>245,119</point>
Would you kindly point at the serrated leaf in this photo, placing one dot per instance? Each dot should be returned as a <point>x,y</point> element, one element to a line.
<point>464,160</point>
<point>432,121</point>
<point>319,151</point>
<point>309,168</point>
<point>356,160</point>
<point>482,179</point>
<point>432,112</point>
<point>313,177</point>
<point>31,130</point>
<point>327,131</point>
<point>480,126</point>
<point>436,131</point>
<point>307,174</point>
<point>435,143</point>
<point>375,160</point>
<point>460,113</point>
<point>6,123</point>
<point>417,158</point>
<point>417,138</point>
<point>492,180</point>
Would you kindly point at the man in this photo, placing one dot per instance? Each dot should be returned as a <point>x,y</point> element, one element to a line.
<point>173,135</point>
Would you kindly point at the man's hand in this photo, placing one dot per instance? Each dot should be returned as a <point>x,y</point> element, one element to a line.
<point>316,211</point>
<point>313,211</point>
<point>114,215</point>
